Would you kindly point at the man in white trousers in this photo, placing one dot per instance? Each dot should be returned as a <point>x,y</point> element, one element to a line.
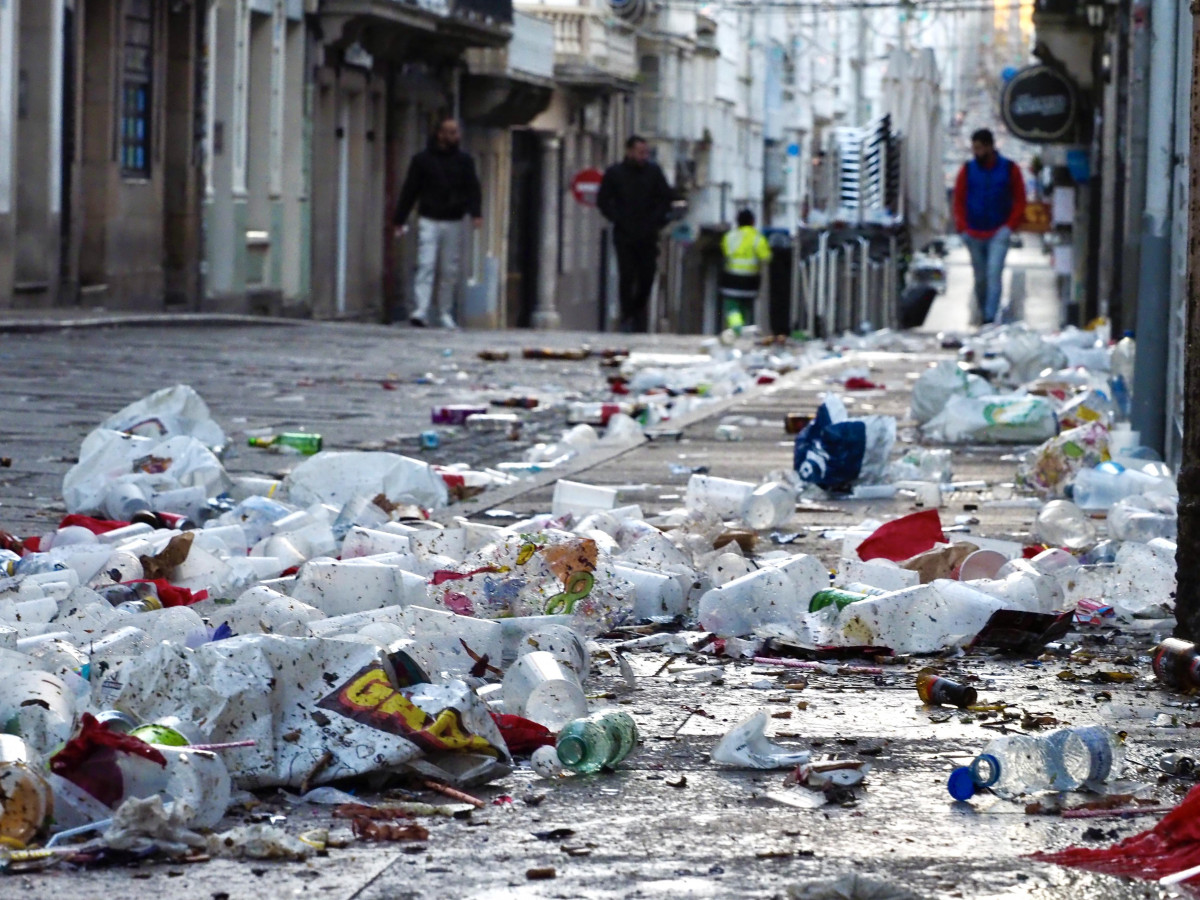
<point>443,186</point>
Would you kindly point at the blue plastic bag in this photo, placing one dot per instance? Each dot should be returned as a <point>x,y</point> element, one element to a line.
<point>835,451</point>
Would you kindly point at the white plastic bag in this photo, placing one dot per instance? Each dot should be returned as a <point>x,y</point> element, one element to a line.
<point>335,477</point>
<point>169,412</point>
<point>938,384</point>
<point>994,419</point>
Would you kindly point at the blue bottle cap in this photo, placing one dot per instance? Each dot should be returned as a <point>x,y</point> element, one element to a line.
<point>961,785</point>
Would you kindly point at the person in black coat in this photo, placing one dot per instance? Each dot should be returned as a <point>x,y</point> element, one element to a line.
<point>444,188</point>
<point>635,197</point>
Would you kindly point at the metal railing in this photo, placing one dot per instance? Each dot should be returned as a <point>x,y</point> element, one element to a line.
<point>499,12</point>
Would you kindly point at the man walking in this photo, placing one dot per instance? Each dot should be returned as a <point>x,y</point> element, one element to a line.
<point>636,198</point>
<point>443,186</point>
<point>746,251</point>
<point>989,204</point>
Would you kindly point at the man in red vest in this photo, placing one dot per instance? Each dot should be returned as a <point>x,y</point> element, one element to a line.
<point>989,204</point>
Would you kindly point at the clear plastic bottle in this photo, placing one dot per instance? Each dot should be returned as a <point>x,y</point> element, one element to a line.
<point>1101,487</point>
<point>1010,766</point>
<point>1124,356</point>
<point>1090,755</point>
<point>602,739</point>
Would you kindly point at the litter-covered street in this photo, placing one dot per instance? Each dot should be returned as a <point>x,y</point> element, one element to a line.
<point>237,671</point>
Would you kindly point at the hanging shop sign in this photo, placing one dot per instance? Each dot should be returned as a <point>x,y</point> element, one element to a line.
<point>1040,105</point>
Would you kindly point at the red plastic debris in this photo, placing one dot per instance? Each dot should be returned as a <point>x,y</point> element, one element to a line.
<point>169,594</point>
<point>858,383</point>
<point>904,538</point>
<point>521,735</point>
<point>1171,846</point>
<point>95,526</point>
<point>90,759</point>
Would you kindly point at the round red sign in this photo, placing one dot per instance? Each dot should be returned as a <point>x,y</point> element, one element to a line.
<point>585,186</point>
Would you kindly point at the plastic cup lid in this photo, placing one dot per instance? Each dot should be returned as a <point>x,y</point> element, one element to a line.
<point>961,785</point>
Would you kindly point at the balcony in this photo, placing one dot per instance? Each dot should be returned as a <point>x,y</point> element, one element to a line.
<point>511,85</point>
<point>461,23</point>
<point>529,56</point>
<point>591,49</point>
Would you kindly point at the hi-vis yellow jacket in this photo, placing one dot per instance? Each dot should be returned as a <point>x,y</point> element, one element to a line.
<point>745,250</point>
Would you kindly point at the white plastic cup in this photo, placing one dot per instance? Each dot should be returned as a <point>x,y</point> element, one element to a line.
<point>725,497</point>
<point>579,499</point>
<point>542,689</point>
<point>981,564</point>
<point>655,594</point>
<point>769,506</point>
<point>199,781</point>
<point>362,541</point>
<point>563,643</point>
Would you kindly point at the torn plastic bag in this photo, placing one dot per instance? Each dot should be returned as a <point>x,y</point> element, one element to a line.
<point>1173,845</point>
<point>318,709</point>
<point>994,419</point>
<point>1051,467</point>
<point>109,457</point>
<point>937,384</point>
<point>747,747</point>
<point>169,412</point>
<point>834,451</point>
<point>335,477</point>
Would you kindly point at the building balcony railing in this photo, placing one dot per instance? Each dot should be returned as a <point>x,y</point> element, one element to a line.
<point>497,11</point>
<point>588,49</point>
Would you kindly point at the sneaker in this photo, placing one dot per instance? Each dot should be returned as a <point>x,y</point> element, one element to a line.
<point>448,322</point>
<point>417,322</point>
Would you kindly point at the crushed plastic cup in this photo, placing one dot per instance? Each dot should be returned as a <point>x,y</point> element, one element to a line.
<point>747,747</point>
<point>362,541</point>
<point>457,643</point>
<point>542,689</point>
<point>337,587</point>
<point>771,595</point>
<point>1061,523</point>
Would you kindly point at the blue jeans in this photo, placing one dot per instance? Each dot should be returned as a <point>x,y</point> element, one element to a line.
<point>987,259</point>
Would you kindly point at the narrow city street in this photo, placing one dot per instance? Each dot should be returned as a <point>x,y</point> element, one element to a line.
<point>668,822</point>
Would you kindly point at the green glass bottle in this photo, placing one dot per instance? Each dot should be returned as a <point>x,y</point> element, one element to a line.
<point>602,739</point>
<point>305,443</point>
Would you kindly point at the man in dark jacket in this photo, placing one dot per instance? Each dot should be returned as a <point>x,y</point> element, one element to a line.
<point>443,186</point>
<point>636,198</point>
<point>989,204</point>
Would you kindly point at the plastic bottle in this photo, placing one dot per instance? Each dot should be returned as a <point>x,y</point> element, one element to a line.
<point>584,413</point>
<point>1090,755</point>
<point>938,691</point>
<point>1123,357</point>
<point>1177,664</point>
<point>593,742</point>
<point>300,441</point>
<point>28,801</point>
<point>1009,766</point>
<point>1101,487</point>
